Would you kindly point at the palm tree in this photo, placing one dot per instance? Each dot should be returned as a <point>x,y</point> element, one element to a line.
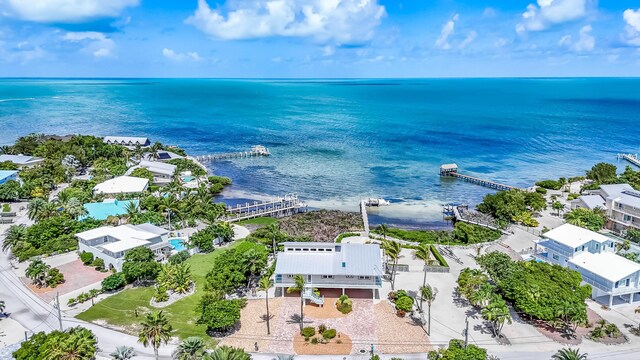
<point>35,208</point>
<point>384,230</point>
<point>155,331</point>
<point>393,250</point>
<point>497,312</point>
<point>2,307</point>
<point>123,353</point>
<point>273,232</point>
<point>37,272</point>
<point>264,285</point>
<point>80,345</point>
<point>224,231</point>
<point>299,286</point>
<point>191,348</point>
<point>429,294</point>
<point>154,150</point>
<point>623,246</point>
<point>228,353</point>
<point>14,235</point>
<point>423,252</point>
<point>74,208</point>
<point>558,206</point>
<point>569,354</point>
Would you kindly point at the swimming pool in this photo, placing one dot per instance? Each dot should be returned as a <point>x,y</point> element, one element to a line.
<point>178,244</point>
<point>187,178</point>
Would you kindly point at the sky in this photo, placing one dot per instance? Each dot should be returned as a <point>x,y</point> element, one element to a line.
<point>319,38</point>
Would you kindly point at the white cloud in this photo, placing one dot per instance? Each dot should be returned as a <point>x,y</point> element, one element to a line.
<point>550,12</point>
<point>66,11</point>
<point>328,50</point>
<point>468,40</point>
<point>95,43</point>
<point>342,21</point>
<point>442,42</point>
<point>632,18</point>
<point>172,55</point>
<point>585,42</point>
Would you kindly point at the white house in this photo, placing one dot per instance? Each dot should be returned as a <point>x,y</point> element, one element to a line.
<point>163,156</point>
<point>609,275</point>
<point>567,241</point>
<point>162,172</point>
<point>21,160</point>
<point>593,256</point>
<point>126,141</point>
<point>112,243</point>
<point>122,185</point>
<point>329,266</point>
<point>621,203</point>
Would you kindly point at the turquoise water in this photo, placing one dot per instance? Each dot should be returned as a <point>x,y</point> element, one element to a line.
<point>177,244</point>
<point>187,178</point>
<point>102,210</point>
<point>335,141</point>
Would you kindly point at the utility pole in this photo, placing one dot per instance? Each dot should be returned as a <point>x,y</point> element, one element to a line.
<point>58,307</point>
<point>466,332</point>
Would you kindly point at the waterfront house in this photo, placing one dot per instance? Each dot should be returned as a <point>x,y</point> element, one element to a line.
<point>163,156</point>
<point>162,172</point>
<point>620,202</point>
<point>8,175</point>
<point>112,243</point>
<point>126,141</point>
<point>108,207</point>
<point>567,241</point>
<point>609,275</point>
<point>122,185</point>
<point>593,256</point>
<point>329,266</point>
<point>21,160</point>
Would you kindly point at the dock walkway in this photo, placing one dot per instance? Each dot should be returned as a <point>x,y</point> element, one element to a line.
<point>255,151</point>
<point>365,217</point>
<point>454,210</point>
<point>278,207</point>
<point>452,170</point>
<point>632,158</point>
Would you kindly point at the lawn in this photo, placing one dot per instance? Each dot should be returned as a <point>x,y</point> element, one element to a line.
<point>120,309</point>
<point>264,221</point>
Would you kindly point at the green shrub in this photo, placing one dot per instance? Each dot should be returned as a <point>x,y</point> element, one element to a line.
<point>550,184</point>
<point>541,190</point>
<point>401,293</point>
<point>404,303</point>
<point>71,301</point>
<point>86,258</point>
<point>322,328</point>
<point>98,264</point>
<point>345,235</point>
<point>6,208</point>
<point>54,277</point>
<point>329,334</point>
<point>438,257</point>
<point>572,196</point>
<point>308,331</point>
<point>314,341</point>
<point>114,282</point>
<point>344,304</point>
<point>179,258</point>
<point>161,294</point>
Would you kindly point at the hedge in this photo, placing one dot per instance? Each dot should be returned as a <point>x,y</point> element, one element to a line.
<point>438,257</point>
<point>345,235</point>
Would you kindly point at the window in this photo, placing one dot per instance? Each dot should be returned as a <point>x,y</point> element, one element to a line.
<point>321,249</point>
<point>620,206</point>
<point>364,277</point>
<point>327,276</point>
<point>298,249</point>
<point>617,284</point>
<point>627,218</point>
<point>349,276</point>
<point>582,247</point>
<point>289,249</point>
<point>627,283</point>
<point>555,257</point>
<point>290,276</point>
<point>313,249</point>
<point>328,250</point>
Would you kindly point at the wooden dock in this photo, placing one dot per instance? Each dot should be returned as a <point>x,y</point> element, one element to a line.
<point>632,158</point>
<point>278,207</point>
<point>255,151</point>
<point>365,216</point>
<point>454,210</point>
<point>452,170</point>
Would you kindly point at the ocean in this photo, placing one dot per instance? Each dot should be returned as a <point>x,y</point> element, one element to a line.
<point>336,141</point>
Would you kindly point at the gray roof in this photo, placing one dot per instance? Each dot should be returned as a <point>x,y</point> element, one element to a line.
<point>358,260</point>
<point>152,228</point>
<point>622,193</point>
<point>593,201</point>
<point>19,159</point>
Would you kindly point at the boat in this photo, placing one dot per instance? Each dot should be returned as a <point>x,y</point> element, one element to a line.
<point>376,202</point>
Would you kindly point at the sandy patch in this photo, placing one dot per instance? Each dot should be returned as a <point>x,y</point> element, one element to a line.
<point>340,345</point>
<point>398,335</point>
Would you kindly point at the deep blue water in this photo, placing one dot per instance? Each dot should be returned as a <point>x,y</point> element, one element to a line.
<point>334,141</point>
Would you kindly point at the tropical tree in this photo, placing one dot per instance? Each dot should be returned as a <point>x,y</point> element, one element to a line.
<point>384,230</point>
<point>15,234</point>
<point>623,246</point>
<point>37,272</point>
<point>2,306</point>
<point>223,231</point>
<point>155,331</point>
<point>80,344</point>
<point>428,294</point>
<point>423,252</point>
<point>123,353</point>
<point>36,208</point>
<point>273,232</point>
<point>228,353</point>
<point>191,348</point>
<point>254,262</point>
<point>393,250</point>
<point>497,313</point>
<point>265,284</point>
<point>557,206</point>
<point>299,286</point>
<point>569,354</point>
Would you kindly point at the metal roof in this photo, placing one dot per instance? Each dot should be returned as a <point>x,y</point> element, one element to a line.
<point>606,265</point>
<point>122,184</point>
<point>346,259</point>
<point>574,236</point>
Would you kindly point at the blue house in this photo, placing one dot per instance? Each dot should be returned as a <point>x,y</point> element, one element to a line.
<point>8,175</point>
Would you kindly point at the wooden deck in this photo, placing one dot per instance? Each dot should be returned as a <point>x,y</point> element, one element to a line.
<point>278,207</point>
<point>632,158</point>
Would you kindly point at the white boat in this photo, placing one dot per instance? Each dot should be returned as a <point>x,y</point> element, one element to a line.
<point>376,202</point>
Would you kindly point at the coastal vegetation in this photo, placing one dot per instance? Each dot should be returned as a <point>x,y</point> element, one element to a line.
<point>321,225</point>
<point>592,219</point>
<point>457,350</point>
<point>513,206</point>
<point>75,343</point>
<point>462,234</point>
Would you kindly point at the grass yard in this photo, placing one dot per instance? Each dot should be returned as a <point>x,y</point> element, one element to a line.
<point>263,221</point>
<point>120,309</point>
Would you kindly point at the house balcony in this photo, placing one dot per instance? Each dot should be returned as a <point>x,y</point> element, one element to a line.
<point>355,283</point>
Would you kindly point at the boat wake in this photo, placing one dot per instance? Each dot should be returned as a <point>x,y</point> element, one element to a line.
<point>18,99</point>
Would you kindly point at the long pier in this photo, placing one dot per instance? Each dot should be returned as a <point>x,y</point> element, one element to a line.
<point>457,214</point>
<point>255,151</point>
<point>278,207</point>
<point>452,170</point>
<point>632,158</point>
<point>365,216</point>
